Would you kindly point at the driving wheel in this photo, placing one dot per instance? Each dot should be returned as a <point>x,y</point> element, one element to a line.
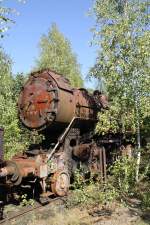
<point>60,183</point>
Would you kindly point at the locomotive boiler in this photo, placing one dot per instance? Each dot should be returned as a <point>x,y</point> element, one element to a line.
<point>66,117</point>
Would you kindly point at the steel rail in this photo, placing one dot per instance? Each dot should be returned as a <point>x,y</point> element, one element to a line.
<point>28,210</point>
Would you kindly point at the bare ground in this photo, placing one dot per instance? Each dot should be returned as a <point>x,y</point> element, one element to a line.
<point>112,214</point>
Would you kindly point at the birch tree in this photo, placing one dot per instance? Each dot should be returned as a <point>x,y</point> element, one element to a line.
<point>56,53</point>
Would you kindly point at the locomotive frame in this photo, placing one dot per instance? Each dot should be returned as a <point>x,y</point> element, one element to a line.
<point>66,117</point>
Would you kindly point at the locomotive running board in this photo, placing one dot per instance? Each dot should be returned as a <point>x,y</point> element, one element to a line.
<point>62,136</point>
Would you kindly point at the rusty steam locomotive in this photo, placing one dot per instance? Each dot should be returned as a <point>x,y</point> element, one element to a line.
<point>66,117</point>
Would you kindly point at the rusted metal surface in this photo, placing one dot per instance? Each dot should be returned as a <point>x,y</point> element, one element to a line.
<point>97,162</point>
<point>104,101</point>
<point>38,101</point>
<point>60,183</point>
<point>101,100</point>
<point>82,152</point>
<point>47,97</point>
<point>67,117</point>
<point>21,167</point>
<point>44,99</point>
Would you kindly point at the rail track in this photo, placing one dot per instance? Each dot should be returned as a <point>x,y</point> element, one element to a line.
<point>27,209</point>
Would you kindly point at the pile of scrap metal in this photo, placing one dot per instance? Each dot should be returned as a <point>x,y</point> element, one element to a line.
<point>67,117</point>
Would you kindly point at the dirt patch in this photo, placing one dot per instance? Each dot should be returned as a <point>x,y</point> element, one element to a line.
<point>113,214</point>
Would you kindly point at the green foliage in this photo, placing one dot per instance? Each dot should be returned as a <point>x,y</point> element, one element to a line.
<point>15,136</point>
<point>145,197</point>
<point>25,201</point>
<point>79,181</point>
<point>25,135</point>
<point>18,82</point>
<point>123,172</point>
<point>56,54</point>
<point>9,91</point>
<point>123,180</point>
<point>120,185</point>
<point>108,121</point>
<point>8,111</point>
<point>122,36</point>
<point>6,20</point>
<point>90,192</point>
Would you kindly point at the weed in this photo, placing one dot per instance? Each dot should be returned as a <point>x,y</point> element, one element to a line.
<point>25,201</point>
<point>123,172</point>
<point>89,192</point>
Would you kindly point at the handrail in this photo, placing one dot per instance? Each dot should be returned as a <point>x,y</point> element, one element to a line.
<point>62,137</point>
